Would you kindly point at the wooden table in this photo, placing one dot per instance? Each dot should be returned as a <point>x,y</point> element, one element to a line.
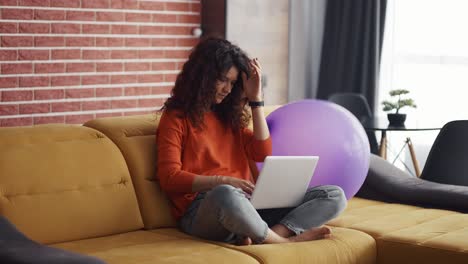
<point>381,124</point>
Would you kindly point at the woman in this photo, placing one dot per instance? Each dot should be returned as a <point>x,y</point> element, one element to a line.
<point>204,148</point>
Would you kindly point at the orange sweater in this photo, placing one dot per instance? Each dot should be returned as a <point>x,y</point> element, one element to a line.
<point>184,152</point>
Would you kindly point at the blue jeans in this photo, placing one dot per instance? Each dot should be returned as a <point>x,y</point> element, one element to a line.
<point>224,214</point>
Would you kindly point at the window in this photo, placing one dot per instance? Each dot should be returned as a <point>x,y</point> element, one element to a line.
<point>425,51</point>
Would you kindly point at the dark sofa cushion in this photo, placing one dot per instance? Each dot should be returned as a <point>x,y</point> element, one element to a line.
<point>387,183</point>
<point>16,248</point>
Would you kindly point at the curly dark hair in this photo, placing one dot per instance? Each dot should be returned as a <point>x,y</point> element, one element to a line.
<point>195,87</point>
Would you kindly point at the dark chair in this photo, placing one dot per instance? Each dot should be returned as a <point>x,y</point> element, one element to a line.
<point>357,104</point>
<point>16,248</point>
<point>447,161</point>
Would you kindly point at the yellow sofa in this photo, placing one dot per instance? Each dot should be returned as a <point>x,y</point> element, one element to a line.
<point>92,189</point>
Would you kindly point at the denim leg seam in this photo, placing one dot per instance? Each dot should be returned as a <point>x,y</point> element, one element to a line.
<point>291,227</point>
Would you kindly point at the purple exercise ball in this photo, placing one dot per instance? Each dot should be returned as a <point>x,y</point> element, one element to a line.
<point>324,129</point>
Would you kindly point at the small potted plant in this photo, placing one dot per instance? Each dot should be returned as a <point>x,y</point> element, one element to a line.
<point>397,119</point>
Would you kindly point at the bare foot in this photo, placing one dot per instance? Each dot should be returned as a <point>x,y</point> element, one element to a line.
<point>246,241</point>
<point>312,234</point>
<point>282,231</point>
<point>308,235</point>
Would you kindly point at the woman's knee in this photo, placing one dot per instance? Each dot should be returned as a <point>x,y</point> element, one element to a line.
<point>325,191</point>
<point>337,193</point>
<point>225,195</point>
<point>329,192</point>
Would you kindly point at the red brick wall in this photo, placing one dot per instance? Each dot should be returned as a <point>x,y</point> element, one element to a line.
<point>68,61</point>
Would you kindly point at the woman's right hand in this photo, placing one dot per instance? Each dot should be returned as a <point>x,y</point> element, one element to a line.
<point>245,185</point>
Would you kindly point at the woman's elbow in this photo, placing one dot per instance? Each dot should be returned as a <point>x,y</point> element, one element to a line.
<point>163,179</point>
<point>168,183</point>
<point>260,157</point>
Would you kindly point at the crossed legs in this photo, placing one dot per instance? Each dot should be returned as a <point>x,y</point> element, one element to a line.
<point>225,212</point>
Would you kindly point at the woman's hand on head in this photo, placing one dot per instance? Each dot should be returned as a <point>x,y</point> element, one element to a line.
<point>246,186</point>
<point>252,85</point>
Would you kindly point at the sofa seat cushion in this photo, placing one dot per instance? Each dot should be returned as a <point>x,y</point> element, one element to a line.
<point>145,247</point>
<point>407,232</point>
<point>380,218</point>
<point>345,246</point>
<point>442,240</point>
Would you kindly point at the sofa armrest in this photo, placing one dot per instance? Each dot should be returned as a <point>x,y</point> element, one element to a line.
<point>387,183</point>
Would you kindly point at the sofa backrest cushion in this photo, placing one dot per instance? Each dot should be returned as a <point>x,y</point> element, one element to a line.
<point>62,182</point>
<point>136,138</point>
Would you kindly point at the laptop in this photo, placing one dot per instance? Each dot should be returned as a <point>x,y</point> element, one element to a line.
<point>283,181</point>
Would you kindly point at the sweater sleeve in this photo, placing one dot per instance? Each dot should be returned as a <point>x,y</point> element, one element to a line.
<point>257,150</point>
<point>170,141</point>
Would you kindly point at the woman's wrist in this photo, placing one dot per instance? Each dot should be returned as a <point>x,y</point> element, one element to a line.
<point>256,104</point>
<point>255,99</point>
<point>218,180</point>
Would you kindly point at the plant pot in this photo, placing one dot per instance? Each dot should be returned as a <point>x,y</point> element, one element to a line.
<point>396,119</point>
